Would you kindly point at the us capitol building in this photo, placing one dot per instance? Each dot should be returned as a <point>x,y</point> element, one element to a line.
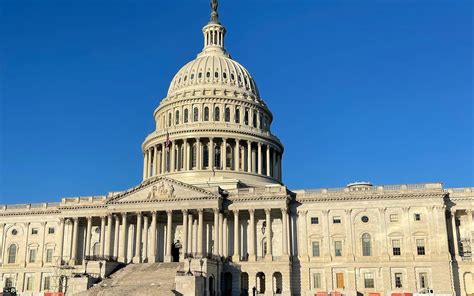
<point>212,215</point>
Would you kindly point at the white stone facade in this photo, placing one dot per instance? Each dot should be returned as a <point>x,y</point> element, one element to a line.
<point>212,198</point>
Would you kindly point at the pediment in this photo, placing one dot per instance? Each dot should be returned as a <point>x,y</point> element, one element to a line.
<point>161,189</point>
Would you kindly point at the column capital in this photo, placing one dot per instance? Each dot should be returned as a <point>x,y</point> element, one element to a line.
<point>124,214</point>
<point>61,220</point>
<point>382,210</point>
<point>138,213</point>
<point>303,212</point>
<point>284,210</point>
<point>406,209</point>
<point>153,213</point>
<point>216,211</point>
<point>73,218</point>
<point>169,212</point>
<point>102,217</point>
<point>259,144</point>
<point>200,210</point>
<point>251,211</point>
<point>268,211</point>
<point>453,211</point>
<point>89,218</point>
<point>348,211</point>
<point>469,211</point>
<point>325,212</point>
<point>236,212</point>
<point>184,211</point>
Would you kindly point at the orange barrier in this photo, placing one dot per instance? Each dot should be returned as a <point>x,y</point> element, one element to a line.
<point>321,294</point>
<point>375,294</point>
<point>402,294</point>
<point>53,293</point>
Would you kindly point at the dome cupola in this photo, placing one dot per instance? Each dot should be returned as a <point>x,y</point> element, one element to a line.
<point>212,124</point>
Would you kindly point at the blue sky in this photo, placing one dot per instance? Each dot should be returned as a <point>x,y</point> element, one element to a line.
<point>365,90</point>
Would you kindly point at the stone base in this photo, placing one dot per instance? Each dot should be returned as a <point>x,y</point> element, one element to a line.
<point>137,259</point>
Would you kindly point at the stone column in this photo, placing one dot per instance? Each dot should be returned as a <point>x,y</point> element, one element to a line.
<point>471,226</point>
<point>455,235</point>
<point>236,257</point>
<point>216,232</point>
<point>75,230</point>
<point>225,233</point>
<point>274,163</point>
<point>259,156</point>
<point>211,153</point>
<point>108,234</point>
<point>122,257</point>
<point>185,233</point>
<point>200,229</point>
<point>145,239</point>
<point>173,156</point>
<point>284,240</point>
<point>163,158</point>
<point>249,156</point>
<point>407,235</point>
<point>224,154</point>
<point>348,229</point>
<point>268,160</point>
<point>152,257</point>
<point>61,239</point>
<point>304,232</point>
<point>138,239</point>
<point>102,236</point>
<point>221,234</point>
<point>169,226</point>
<point>88,236</point>
<point>191,237</point>
<point>251,240</point>
<point>145,162</point>
<point>155,160</point>
<point>116,236</point>
<point>383,233</point>
<point>268,234</point>
<point>237,155</point>
<point>198,154</point>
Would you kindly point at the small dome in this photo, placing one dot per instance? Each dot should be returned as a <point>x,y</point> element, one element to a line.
<point>213,69</point>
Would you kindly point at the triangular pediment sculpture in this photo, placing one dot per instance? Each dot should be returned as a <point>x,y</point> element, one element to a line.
<point>160,189</point>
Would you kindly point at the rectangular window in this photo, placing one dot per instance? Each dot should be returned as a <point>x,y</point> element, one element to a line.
<point>32,257</point>
<point>340,280</point>
<point>29,283</point>
<point>314,220</point>
<point>47,283</point>
<point>51,230</point>
<point>336,220</point>
<point>315,246</point>
<point>369,280</point>
<point>316,280</point>
<point>423,280</point>
<point>398,280</point>
<point>8,282</point>
<point>338,248</point>
<point>49,255</point>
<point>420,246</point>
<point>34,231</point>
<point>417,217</point>
<point>396,247</point>
<point>393,218</point>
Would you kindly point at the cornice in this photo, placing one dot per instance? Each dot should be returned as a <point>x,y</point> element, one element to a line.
<point>357,197</point>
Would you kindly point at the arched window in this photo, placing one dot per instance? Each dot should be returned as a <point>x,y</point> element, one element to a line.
<point>217,114</point>
<point>366,245</point>
<point>205,156</point>
<point>206,113</point>
<point>186,115</point>
<point>217,156</point>
<point>177,117</point>
<point>12,250</point>
<point>227,114</point>
<point>196,114</point>
<point>264,247</point>
<point>277,283</point>
<point>237,115</point>
<point>169,119</point>
<point>96,249</point>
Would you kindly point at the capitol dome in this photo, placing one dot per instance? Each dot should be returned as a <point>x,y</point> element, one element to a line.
<point>212,124</point>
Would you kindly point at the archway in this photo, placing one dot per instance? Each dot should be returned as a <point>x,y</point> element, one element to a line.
<point>211,286</point>
<point>244,283</point>
<point>175,251</point>
<point>260,282</point>
<point>227,283</point>
<point>277,283</point>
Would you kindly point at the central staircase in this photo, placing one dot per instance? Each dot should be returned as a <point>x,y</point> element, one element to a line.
<point>138,279</point>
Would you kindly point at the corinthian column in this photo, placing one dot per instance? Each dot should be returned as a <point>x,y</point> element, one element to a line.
<point>236,257</point>
<point>152,257</point>
<point>138,239</point>
<point>284,240</point>
<point>249,156</point>
<point>251,246</point>
<point>145,239</point>
<point>116,236</point>
<point>268,160</point>
<point>169,227</point>
<point>224,154</point>
<point>102,236</point>
<point>200,229</point>
<point>268,233</point>
<point>259,162</point>
<point>211,153</point>
<point>216,232</point>
<point>123,241</point>
<point>61,240</point>
<point>88,236</point>
<point>237,155</point>
<point>185,233</point>
<point>108,234</point>
<point>75,229</point>
<point>145,162</point>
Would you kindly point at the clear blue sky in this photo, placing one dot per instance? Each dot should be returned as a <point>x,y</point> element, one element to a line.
<point>378,90</point>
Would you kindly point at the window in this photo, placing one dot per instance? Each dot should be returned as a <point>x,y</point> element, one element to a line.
<point>196,114</point>
<point>315,247</point>
<point>194,155</point>
<point>366,245</point>
<point>51,230</point>
<point>29,283</point>
<point>254,119</point>
<point>185,77</point>
<point>227,114</point>
<point>217,114</point>
<point>206,113</point>
<point>192,76</point>
<point>176,119</point>
<point>169,119</point>
<point>228,157</point>
<point>336,220</point>
<point>232,77</point>
<point>224,75</point>
<point>420,246</point>
<point>32,257</point>
<point>393,218</point>
<point>365,219</point>
<point>317,280</point>
<point>8,282</point>
<point>398,280</point>
<point>369,280</point>
<point>338,248</point>
<point>217,156</point>
<point>216,74</point>
<point>34,231</point>
<point>340,280</point>
<point>12,253</point>
<point>314,220</point>
<point>417,217</point>
<point>200,75</point>
<point>423,276</point>
<point>47,283</point>
<point>49,255</point>
<point>396,247</point>
<point>237,115</point>
<point>246,117</point>
<point>185,115</point>
<point>205,158</point>
<point>208,74</point>
<point>14,232</point>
